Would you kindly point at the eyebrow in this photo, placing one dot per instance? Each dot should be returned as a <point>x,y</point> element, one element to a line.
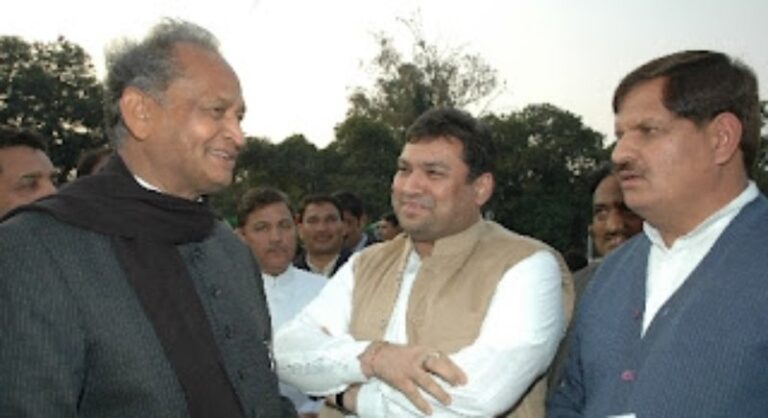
<point>38,174</point>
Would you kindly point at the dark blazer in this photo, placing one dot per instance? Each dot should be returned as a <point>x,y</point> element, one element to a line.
<point>74,339</point>
<point>705,354</point>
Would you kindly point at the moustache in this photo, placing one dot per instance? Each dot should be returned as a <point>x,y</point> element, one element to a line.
<point>626,169</point>
<point>277,248</point>
<point>424,202</point>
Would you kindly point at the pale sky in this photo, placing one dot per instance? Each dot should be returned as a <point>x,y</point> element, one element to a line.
<point>298,60</point>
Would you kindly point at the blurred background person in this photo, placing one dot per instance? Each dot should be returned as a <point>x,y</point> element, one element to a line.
<point>613,222</point>
<point>388,227</point>
<point>265,222</point>
<point>26,172</point>
<point>355,219</point>
<point>322,232</point>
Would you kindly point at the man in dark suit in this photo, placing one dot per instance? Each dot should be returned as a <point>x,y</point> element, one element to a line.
<point>122,296</point>
<point>613,222</point>
<point>674,322</point>
<point>355,219</point>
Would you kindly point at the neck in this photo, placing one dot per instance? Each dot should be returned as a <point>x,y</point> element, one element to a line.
<point>423,248</point>
<point>675,224</point>
<point>140,165</point>
<point>321,261</point>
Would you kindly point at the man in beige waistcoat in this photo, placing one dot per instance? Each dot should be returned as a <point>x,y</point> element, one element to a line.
<point>458,316</point>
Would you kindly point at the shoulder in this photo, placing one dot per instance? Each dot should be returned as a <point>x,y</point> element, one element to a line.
<point>381,252</point>
<point>495,233</point>
<point>223,235</point>
<point>25,222</point>
<point>498,241</point>
<point>31,231</point>
<point>753,216</point>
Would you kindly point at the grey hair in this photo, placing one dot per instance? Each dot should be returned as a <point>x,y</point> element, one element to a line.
<point>148,65</point>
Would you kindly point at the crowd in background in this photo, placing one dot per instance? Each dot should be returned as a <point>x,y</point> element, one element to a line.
<point>124,294</point>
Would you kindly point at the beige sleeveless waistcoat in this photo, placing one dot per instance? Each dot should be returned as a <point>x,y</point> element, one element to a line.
<point>451,293</point>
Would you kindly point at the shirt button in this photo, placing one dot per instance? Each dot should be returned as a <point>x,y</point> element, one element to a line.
<point>197,254</point>
<point>241,374</point>
<point>228,332</point>
<point>216,291</point>
<point>628,375</point>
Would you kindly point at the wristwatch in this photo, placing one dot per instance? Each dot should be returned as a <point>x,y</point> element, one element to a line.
<point>338,401</point>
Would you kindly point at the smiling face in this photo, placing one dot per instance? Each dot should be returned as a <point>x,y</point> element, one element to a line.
<point>26,174</point>
<point>612,221</point>
<point>194,135</point>
<point>665,163</point>
<point>321,229</point>
<point>271,234</point>
<point>431,193</point>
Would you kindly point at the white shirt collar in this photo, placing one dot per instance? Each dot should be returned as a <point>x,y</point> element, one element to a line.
<point>726,213</point>
<point>147,185</point>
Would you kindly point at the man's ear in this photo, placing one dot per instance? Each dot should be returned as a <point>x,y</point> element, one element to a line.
<point>239,233</point>
<point>483,186</point>
<point>136,110</point>
<point>725,130</point>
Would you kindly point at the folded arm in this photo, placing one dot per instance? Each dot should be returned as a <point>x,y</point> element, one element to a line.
<point>516,343</point>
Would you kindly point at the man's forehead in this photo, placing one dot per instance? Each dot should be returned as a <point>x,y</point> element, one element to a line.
<point>646,96</point>
<point>321,208</point>
<point>197,63</point>
<point>265,212</point>
<point>23,160</point>
<point>431,150</point>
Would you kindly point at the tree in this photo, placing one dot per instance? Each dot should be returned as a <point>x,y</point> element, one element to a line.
<point>761,166</point>
<point>363,159</point>
<point>433,77</point>
<point>52,88</point>
<point>545,158</point>
<point>293,166</point>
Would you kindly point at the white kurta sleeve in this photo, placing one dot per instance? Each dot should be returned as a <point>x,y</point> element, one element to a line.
<point>314,351</point>
<point>517,341</point>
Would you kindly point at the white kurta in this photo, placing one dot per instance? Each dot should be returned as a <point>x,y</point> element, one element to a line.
<point>517,341</point>
<point>287,294</point>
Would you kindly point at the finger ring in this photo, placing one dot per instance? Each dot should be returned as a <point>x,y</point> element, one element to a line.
<point>434,354</point>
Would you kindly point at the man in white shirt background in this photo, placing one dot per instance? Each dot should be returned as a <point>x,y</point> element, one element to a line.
<point>265,222</point>
<point>456,317</point>
<point>674,322</point>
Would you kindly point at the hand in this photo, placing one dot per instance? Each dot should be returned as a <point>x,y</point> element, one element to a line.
<point>408,368</point>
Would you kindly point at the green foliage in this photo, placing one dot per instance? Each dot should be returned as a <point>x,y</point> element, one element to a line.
<point>761,168</point>
<point>433,77</point>
<point>363,159</point>
<point>545,158</point>
<point>51,88</point>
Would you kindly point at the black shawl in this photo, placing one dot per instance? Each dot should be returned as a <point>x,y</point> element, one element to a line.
<point>145,227</point>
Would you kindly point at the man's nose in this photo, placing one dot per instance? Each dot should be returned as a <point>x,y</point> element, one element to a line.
<point>615,221</point>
